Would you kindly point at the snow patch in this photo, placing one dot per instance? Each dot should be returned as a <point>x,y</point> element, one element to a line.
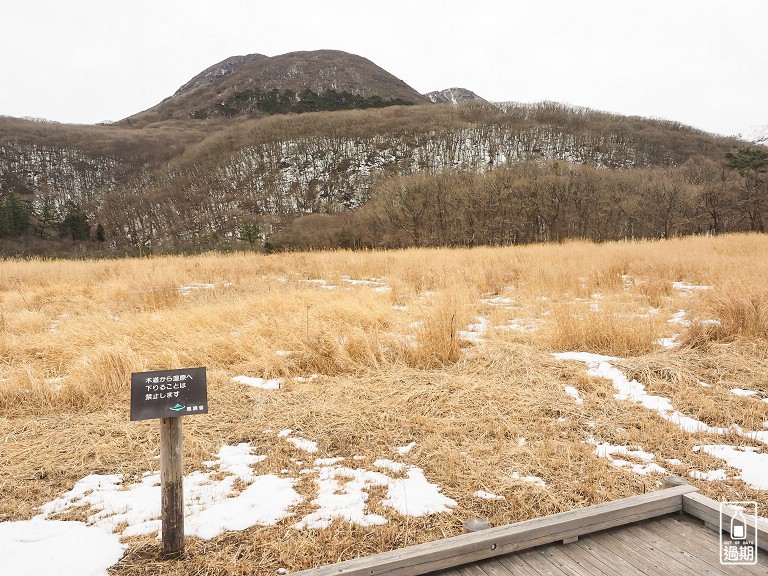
<point>574,393</point>
<point>403,450</point>
<point>600,366</point>
<point>272,384</point>
<point>487,495</point>
<point>752,464</point>
<point>711,476</point>
<point>39,546</point>
<point>210,505</point>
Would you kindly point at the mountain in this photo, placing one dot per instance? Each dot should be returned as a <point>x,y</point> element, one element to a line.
<point>452,96</point>
<point>256,85</point>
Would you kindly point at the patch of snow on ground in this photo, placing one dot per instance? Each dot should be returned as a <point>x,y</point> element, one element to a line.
<point>376,284</point>
<point>39,546</point>
<point>487,495</point>
<point>752,463</point>
<point>237,460</point>
<point>497,301</point>
<point>742,392</point>
<point>389,465</point>
<point>670,342</point>
<point>711,476</point>
<point>606,450</point>
<point>475,332</point>
<point>688,288</point>
<point>189,288</point>
<point>403,450</point>
<point>600,366</point>
<point>264,503</point>
<point>272,384</point>
<point>416,496</point>
<point>573,393</point>
<point>303,443</point>
<point>529,479</point>
<point>343,493</point>
<point>679,318</point>
<point>209,504</point>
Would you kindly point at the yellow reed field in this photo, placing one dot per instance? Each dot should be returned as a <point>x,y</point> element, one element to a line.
<point>450,349</point>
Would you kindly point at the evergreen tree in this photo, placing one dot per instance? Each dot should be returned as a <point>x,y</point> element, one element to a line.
<point>14,216</point>
<point>75,224</point>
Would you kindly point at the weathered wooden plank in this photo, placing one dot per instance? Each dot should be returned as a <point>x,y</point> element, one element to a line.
<point>449,572</point>
<point>563,562</point>
<point>493,568</point>
<point>471,570</point>
<point>692,541</point>
<point>702,543</point>
<point>708,510</point>
<point>628,552</point>
<point>581,555</point>
<point>517,565</point>
<point>540,564</point>
<point>465,548</point>
<point>699,546</point>
<point>620,565</point>
<point>662,552</point>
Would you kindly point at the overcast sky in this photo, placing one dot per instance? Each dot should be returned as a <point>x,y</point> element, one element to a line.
<point>700,62</point>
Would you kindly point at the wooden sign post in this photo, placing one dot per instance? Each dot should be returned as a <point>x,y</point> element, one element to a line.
<point>172,486</point>
<point>168,395</point>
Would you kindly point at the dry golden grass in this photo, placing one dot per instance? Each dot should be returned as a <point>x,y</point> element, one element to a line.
<point>393,368</point>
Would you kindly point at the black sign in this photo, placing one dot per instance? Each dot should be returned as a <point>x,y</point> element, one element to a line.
<point>168,393</point>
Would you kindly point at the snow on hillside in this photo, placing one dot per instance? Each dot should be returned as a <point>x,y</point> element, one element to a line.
<point>758,135</point>
<point>452,96</point>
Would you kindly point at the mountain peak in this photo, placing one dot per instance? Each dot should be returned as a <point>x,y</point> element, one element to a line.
<point>253,86</point>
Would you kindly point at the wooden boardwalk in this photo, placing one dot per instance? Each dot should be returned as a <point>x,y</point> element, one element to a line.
<point>674,544</point>
<point>670,531</point>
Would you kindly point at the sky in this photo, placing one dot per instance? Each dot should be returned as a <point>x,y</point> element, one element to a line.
<point>700,62</point>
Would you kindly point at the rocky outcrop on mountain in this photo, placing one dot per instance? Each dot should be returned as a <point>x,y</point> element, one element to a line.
<point>212,74</point>
<point>453,96</point>
<point>758,135</point>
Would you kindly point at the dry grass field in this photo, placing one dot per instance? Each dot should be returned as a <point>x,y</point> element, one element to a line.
<point>452,350</point>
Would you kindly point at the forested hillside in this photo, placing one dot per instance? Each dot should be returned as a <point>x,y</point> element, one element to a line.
<point>397,176</point>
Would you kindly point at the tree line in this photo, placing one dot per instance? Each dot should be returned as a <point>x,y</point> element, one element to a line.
<point>20,217</point>
<point>256,102</point>
<point>545,202</point>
